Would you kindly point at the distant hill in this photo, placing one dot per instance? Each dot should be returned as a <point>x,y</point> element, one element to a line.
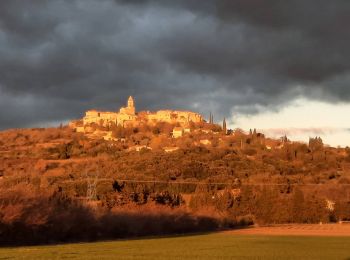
<point>243,176</point>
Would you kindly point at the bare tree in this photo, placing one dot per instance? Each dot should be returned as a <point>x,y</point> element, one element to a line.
<point>91,191</point>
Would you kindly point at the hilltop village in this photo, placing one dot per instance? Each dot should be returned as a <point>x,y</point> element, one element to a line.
<point>96,123</point>
<point>163,129</point>
<point>111,162</point>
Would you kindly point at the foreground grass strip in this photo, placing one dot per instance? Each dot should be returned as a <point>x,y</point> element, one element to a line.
<point>212,246</point>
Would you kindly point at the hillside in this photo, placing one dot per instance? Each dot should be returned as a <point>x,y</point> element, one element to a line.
<point>234,177</point>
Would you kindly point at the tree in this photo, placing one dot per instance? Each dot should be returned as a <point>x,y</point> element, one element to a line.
<point>297,206</point>
<point>315,144</point>
<point>91,190</point>
<point>224,128</point>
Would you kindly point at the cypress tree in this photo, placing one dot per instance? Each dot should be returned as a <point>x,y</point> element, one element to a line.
<point>224,128</point>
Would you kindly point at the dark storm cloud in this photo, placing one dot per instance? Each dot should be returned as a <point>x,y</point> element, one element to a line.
<point>59,58</point>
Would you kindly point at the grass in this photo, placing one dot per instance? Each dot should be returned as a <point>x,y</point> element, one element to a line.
<point>209,246</point>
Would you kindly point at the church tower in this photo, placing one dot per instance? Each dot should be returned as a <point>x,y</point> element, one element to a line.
<point>130,108</point>
<point>131,105</point>
<point>131,102</point>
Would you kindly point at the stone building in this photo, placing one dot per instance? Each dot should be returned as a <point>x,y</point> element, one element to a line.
<point>172,116</point>
<point>177,132</point>
<point>127,116</point>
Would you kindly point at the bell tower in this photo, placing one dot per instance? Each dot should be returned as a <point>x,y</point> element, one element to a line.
<point>131,105</point>
<point>131,102</point>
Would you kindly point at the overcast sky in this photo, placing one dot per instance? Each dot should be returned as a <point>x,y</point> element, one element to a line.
<point>247,60</point>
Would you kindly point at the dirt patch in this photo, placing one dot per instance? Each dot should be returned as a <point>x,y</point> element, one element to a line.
<point>296,230</point>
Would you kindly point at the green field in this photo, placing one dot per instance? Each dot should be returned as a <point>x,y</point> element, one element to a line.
<point>210,246</point>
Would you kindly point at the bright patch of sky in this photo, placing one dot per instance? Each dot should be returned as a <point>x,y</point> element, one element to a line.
<point>302,119</point>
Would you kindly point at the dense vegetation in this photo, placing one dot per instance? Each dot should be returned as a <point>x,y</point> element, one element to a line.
<point>59,185</point>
